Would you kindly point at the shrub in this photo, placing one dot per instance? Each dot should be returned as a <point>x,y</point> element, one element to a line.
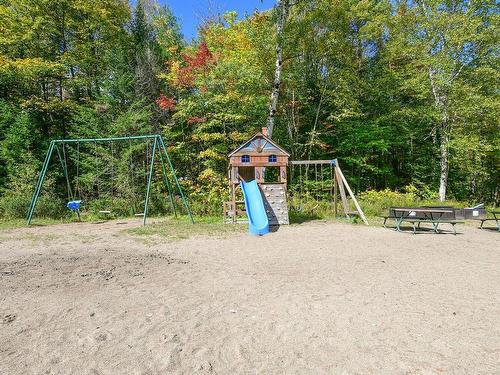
<point>375,202</point>
<point>207,197</point>
<point>15,206</point>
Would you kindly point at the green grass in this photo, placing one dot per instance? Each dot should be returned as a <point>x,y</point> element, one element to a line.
<point>6,224</point>
<point>174,229</point>
<point>373,203</point>
<point>34,238</point>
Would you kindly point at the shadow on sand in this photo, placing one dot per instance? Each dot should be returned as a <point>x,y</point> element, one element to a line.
<point>300,217</point>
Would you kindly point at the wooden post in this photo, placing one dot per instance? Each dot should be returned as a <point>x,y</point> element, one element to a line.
<point>343,196</point>
<point>283,178</point>
<point>334,186</point>
<point>234,178</point>
<point>360,211</point>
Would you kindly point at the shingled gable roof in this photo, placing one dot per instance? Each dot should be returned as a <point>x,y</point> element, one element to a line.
<point>258,135</point>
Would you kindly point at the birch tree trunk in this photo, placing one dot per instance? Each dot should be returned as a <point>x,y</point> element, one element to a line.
<point>443,162</point>
<point>282,7</point>
<point>441,103</point>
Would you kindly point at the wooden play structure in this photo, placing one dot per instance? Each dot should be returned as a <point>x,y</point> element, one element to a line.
<point>257,158</point>
<point>263,160</point>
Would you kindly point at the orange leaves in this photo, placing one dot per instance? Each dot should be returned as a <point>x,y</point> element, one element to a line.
<point>202,57</point>
<point>183,75</point>
<point>165,103</point>
<point>197,64</point>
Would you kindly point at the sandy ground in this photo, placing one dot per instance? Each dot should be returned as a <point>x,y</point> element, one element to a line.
<point>316,298</point>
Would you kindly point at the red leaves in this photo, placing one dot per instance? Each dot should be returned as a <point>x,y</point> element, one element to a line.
<point>201,58</point>
<point>184,76</point>
<point>198,63</point>
<point>165,103</point>
<point>196,120</point>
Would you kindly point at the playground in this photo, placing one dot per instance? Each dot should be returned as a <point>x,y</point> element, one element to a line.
<point>249,187</point>
<point>319,297</point>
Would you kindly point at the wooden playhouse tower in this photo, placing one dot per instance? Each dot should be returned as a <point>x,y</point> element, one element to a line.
<point>257,159</point>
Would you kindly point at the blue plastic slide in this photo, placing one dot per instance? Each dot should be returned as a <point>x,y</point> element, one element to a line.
<point>258,222</point>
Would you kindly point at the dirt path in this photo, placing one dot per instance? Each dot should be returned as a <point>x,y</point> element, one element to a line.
<point>317,298</point>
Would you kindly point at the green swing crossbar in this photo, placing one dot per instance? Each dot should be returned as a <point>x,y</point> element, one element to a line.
<point>158,147</point>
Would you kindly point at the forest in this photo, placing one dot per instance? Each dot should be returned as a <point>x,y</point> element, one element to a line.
<point>404,93</point>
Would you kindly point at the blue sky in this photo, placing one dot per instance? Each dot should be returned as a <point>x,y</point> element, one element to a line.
<point>191,12</point>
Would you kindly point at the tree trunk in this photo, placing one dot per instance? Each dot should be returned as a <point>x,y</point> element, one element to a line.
<point>283,7</point>
<point>441,103</point>
<point>443,178</point>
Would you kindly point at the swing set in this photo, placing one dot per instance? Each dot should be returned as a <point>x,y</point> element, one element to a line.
<point>323,180</point>
<point>75,199</point>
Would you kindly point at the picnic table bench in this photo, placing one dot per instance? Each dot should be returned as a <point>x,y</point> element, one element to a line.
<point>496,218</point>
<point>418,215</point>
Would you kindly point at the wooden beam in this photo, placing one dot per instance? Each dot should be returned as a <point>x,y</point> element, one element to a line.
<point>360,211</point>
<point>335,193</point>
<point>311,162</point>
<point>233,193</point>
<point>343,196</point>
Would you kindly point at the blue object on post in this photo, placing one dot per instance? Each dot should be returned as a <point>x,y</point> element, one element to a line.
<point>258,223</point>
<point>74,205</point>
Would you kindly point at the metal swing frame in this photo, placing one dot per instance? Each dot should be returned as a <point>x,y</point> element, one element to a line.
<point>158,146</point>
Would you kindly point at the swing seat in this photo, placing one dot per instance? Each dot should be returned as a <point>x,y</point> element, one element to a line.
<point>74,205</point>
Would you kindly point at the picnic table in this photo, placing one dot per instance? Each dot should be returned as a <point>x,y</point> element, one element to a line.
<point>419,215</point>
<point>496,217</point>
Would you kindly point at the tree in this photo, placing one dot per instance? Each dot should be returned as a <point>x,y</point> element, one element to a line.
<point>404,93</point>
<point>282,10</point>
<point>434,44</point>
<point>220,93</point>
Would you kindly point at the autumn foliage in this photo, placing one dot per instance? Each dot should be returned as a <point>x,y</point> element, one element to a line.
<point>165,102</point>
<point>196,120</point>
<point>193,65</point>
<point>183,75</point>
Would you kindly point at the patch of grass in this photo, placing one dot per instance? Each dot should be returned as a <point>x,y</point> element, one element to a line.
<point>6,224</point>
<point>40,238</point>
<point>87,238</point>
<point>299,217</point>
<point>34,238</point>
<point>175,229</point>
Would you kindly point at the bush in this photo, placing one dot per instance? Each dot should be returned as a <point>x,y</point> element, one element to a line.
<point>310,207</point>
<point>51,207</point>
<point>375,203</point>
<point>15,201</point>
<point>15,206</point>
<point>208,196</point>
